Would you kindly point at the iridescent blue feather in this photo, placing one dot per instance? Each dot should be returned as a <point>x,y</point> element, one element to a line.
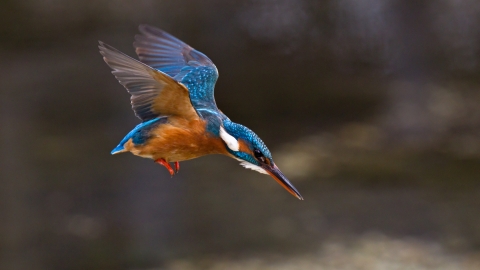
<point>240,131</point>
<point>200,81</point>
<point>139,134</point>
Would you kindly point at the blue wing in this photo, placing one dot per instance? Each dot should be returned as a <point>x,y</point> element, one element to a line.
<point>192,68</point>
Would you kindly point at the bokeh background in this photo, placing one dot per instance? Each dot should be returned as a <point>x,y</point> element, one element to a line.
<point>371,108</point>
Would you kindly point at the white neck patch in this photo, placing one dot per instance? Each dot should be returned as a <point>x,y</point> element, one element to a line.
<point>251,166</point>
<point>231,142</point>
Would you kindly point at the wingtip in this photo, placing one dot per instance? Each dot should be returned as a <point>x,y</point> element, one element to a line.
<point>103,47</point>
<point>147,30</point>
<point>102,44</point>
<point>144,28</point>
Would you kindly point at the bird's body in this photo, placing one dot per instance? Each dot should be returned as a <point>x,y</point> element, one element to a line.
<point>177,139</point>
<point>172,93</point>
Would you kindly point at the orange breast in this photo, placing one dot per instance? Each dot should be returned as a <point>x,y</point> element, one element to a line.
<point>178,140</point>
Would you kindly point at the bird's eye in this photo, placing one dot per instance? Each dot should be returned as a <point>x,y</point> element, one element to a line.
<point>259,155</point>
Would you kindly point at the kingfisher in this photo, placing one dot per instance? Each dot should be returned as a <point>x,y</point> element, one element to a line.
<point>171,88</point>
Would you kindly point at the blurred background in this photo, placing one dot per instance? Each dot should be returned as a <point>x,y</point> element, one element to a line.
<point>370,107</point>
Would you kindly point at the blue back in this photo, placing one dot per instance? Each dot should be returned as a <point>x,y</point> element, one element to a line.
<point>200,81</point>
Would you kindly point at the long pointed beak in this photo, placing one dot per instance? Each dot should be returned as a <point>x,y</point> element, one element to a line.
<point>275,172</point>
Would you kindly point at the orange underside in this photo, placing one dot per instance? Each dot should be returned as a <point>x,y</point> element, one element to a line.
<point>178,140</point>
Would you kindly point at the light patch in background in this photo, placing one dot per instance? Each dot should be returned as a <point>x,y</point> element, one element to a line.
<point>312,155</point>
<point>275,21</point>
<point>85,226</point>
<point>369,251</point>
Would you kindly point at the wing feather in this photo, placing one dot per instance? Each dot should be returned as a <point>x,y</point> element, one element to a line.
<point>170,55</point>
<point>154,93</point>
<point>167,53</point>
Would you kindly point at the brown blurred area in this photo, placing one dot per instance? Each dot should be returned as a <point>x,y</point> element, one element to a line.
<point>371,108</point>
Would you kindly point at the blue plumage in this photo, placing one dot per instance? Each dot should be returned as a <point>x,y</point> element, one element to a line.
<point>175,83</point>
<point>139,134</point>
<point>242,132</point>
<point>172,56</point>
<point>200,82</point>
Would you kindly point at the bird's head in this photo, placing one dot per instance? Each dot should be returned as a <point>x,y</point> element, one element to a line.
<point>245,146</point>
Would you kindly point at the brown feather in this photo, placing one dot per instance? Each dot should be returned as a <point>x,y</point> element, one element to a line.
<point>154,93</point>
<point>174,99</point>
<point>245,147</point>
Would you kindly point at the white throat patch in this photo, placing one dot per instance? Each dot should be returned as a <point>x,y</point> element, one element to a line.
<point>251,166</point>
<point>231,142</point>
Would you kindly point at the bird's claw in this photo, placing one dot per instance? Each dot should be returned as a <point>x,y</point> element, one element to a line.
<point>177,166</point>
<point>164,163</point>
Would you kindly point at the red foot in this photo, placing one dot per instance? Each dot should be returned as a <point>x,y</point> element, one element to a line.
<point>163,162</point>
<point>177,166</point>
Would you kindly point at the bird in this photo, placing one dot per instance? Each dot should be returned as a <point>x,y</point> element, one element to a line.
<point>172,93</point>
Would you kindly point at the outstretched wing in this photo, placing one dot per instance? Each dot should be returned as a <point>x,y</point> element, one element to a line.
<point>170,55</point>
<point>154,93</point>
